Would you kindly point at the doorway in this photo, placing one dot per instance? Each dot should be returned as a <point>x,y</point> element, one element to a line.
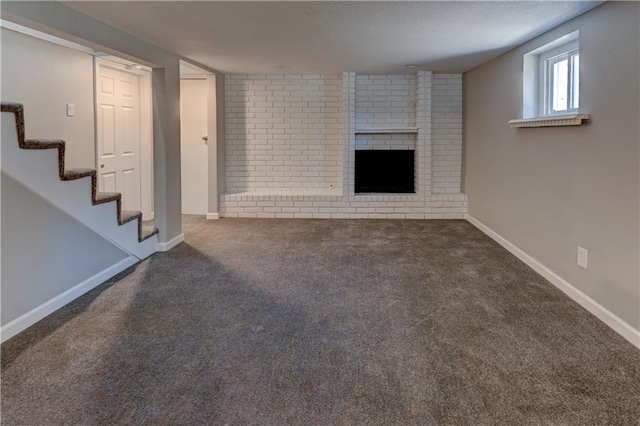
<point>196,137</point>
<point>193,145</point>
<point>123,132</point>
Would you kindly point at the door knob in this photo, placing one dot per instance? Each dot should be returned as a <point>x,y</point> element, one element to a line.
<point>102,166</point>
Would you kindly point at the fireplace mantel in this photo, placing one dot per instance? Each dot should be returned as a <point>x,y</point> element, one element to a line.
<point>387,130</point>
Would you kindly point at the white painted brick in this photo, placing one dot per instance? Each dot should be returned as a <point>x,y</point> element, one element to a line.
<point>246,215</point>
<point>396,216</point>
<point>268,117</point>
<point>291,209</point>
<point>414,216</point>
<point>296,133</point>
<point>447,133</point>
<point>385,99</point>
<point>341,216</point>
<point>357,216</point>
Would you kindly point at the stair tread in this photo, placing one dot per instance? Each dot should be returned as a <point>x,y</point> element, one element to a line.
<point>105,197</point>
<point>129,215</point>
<point>42,143</point>
<point>71,174</point>
<point>148,232</point>
<point>10,106</point>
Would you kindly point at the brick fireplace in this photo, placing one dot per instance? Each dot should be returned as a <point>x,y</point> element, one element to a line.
<point>292,142</point>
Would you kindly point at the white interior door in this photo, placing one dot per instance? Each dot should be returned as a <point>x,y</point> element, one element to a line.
<point>119,125</point>
<point>193,148</point>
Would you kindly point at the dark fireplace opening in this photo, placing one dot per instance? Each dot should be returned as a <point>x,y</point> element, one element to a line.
<point>384,171</point>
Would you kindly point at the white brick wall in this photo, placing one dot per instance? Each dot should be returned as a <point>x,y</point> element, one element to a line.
<point>429,101</point>
<point>349,114</point>
<point>283,132</point>
<point>385,141</point>
<point>423,143</point>
<point>447,133</point>
<point>385,100</point>
<point>445,206</point>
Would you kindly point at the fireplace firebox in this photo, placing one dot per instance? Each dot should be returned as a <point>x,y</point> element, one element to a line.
<point>384,171</point>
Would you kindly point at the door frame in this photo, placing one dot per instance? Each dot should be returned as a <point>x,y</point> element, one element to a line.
<point>146,124</point>
<point>202,78</point>
<point>189,71</point>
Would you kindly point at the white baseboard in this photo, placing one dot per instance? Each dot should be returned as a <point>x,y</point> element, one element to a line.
<point>171,243</point>
<point>47,308</point>
<point>602,313</point>
<point>213,215</point>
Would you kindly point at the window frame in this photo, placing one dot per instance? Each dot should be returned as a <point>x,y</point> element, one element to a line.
<point>546,60</point>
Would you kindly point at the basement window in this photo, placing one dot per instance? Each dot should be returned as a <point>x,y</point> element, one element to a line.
<point>560,79</point>
<point>551,85</point>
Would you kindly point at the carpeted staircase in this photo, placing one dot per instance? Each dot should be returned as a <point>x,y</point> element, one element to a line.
<point>123,216</point>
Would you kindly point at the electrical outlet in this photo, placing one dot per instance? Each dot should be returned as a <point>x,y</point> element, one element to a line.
<point>71,110</point>
<point>582,257</point>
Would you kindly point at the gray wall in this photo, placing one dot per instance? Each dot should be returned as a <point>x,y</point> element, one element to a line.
<point>45,77</point>
<point>44,251</point>
<point>549,190</point>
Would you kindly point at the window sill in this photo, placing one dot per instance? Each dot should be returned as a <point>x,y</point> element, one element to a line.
<point>550,121</point>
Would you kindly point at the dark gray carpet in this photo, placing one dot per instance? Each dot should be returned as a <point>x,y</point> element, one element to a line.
<point>323,322</point>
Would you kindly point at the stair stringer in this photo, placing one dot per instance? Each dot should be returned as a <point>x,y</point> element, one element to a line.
<point>38,169</point>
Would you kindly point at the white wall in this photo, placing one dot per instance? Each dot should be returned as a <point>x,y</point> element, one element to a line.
<point>45,77</point>
<point>283,132</point>
<point>549,190</point>
<point>447,133</point>
<point>45,252</point>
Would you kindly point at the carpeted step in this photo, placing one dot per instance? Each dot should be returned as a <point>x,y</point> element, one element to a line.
<point>105,197</point>
<point>73,174</point>
<point>127,216</point>
<point>148,232</point>
<point>42,144</point>
<point>123,216</point>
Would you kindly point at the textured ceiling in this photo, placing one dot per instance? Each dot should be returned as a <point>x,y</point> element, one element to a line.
<point>320,37</point>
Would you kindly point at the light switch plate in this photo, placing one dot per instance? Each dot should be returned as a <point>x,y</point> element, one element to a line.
<point>582,257</point>
<point>71,110</point>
